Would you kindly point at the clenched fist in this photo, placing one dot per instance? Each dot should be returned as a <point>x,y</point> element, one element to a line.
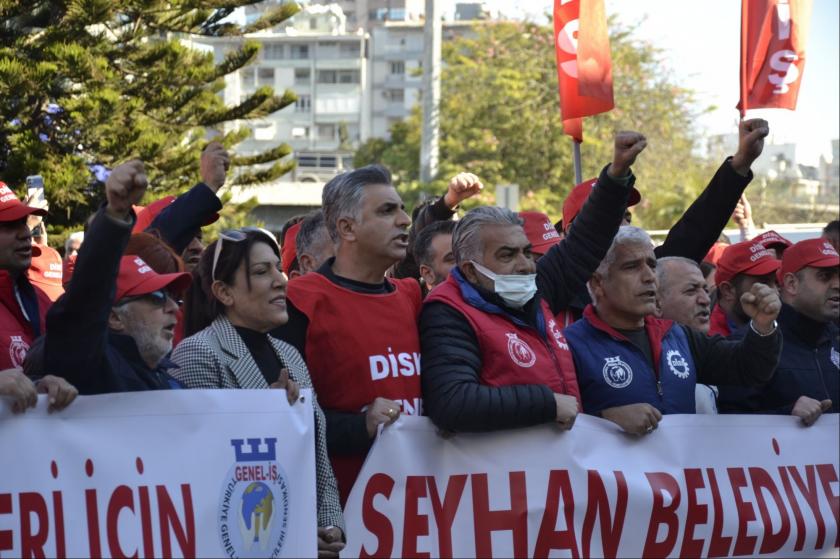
<point>628,145</point>
<point>461,187</point>
<point>762,304</point>
<point>215,162</point>
<point>567,410</point>
<point>751,134</point>
<point>125,187</point>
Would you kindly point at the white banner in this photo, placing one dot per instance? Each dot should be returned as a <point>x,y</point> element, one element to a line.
<point>700,485</point>
<point>180,473</point>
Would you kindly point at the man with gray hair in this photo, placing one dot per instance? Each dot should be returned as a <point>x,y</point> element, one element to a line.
<point>634,367</point>
<point>313,243</point>
<point>356,328</point>
<point>493,355</point>
<point>682,294</point>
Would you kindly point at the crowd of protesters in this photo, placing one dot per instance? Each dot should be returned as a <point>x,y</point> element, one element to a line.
<point>516,320</point>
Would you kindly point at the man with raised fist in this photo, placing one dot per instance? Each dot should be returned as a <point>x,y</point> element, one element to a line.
<point>115,323</point>
<point>493,354</point>
<point>633,367</point>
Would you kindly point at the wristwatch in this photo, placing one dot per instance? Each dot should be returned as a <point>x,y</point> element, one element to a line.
<point>770,333</point>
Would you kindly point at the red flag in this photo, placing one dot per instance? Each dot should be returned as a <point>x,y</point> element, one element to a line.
<point>773,38</point>
<point>584,66</point>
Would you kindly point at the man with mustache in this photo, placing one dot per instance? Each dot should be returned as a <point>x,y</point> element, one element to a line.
<point>115,323</point>
<point>633,367</point>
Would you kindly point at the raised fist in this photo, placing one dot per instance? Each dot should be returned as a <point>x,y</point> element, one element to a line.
<point>461,187</point>
<point>751,134</point>
<point>215,162</point>
<point>628,145</point>
<point>762,304</point>
<point>125,187</point>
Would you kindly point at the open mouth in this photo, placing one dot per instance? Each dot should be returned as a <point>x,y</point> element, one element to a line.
<point>24,251</point>
<point>402,239</point>
<point>280,301</point>
<point>650,294</point>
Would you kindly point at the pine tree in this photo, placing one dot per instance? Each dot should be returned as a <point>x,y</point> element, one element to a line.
<point>86,84</point>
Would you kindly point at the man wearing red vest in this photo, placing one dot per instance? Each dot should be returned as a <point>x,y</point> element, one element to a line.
<point>493,355</point>
<point>357,329</point>
<point>23,307</point>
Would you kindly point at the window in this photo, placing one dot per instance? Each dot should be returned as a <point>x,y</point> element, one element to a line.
<point>302,76</point>
<point>328,161</point>
<point>303,104</point>
<point>326,76</point>
<point>313,23</point>
<point>273,51</point>
<point>264,130</point>
<point>348,76</point>
<point>299,52</point>
<point>348,50</point>
<point>247,77</point>
<point>398,68</point>
<point>395,95</point>
<point>307,161</point>
<point>265,76</point>
<point>326,131</point>
<point>300,132</point>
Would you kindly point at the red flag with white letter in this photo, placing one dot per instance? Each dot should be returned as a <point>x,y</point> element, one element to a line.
<point>584,65</point>
<point>773,38</point>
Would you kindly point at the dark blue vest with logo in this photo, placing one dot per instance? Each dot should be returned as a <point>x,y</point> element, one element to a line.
<point>613,372</point>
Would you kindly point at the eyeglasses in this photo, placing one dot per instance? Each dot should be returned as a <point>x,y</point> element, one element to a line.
<point>234,236</point>
<point>157,298</point>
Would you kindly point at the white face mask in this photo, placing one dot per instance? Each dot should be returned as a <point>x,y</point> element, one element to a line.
<point>514,289</point>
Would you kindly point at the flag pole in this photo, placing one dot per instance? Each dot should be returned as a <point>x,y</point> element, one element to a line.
<point>576,157</point>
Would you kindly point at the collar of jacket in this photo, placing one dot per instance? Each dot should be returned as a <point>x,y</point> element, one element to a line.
<point>475,298</point>
<point>656,328</point>
<point>807,329</point>
<point>128,348</point>
<point>242,364</point>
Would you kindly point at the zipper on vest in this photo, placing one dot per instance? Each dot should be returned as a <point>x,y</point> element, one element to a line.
<point>819,372</point>
<point>556,362</point>
<point>659,387</point>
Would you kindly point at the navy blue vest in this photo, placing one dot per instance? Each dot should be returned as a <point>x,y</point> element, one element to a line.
<point>613,372</point>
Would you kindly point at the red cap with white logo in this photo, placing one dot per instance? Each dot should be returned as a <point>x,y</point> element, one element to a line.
<point>816,253</point>
<point>12,209</point>
<point>747,257</point>
<point>540,231</point>
<point>137,278</point>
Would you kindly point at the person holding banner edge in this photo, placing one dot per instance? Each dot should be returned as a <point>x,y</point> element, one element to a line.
<point>493,355</point>
<point>238,296</point>
<point>633,367</point>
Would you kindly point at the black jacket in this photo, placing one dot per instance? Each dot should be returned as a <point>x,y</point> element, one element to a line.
<point>809,366</point>
<point>79,346</point>
<point>453,395</point>
<point>181,220</point>
<point>701,224</point>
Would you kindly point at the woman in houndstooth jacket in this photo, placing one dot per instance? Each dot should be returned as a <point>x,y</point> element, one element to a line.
<point>238,295</point>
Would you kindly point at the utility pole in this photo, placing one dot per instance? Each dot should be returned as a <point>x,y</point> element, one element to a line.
<point>429,144</point>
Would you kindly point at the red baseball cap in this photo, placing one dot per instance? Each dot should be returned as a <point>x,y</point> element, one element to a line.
<point>576,198</point>
<point>816,253</point>
<point>46,271</point>
<point>147,214</point>
<point>715,252</point>
<point>540,231</point>
<point>771,239</point>
<point>747,257</point>
<point>12,209</point>
<point>137,278</point>
<point>289,251</point>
